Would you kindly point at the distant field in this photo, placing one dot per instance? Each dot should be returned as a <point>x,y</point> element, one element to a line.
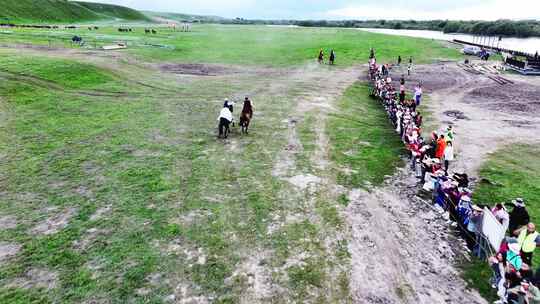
<point>253,45</point>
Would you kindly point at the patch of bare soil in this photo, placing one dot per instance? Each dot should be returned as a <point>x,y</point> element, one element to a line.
<point>153,281</point>
<point>432,77</point>
<point>519,98</point>
<point>455,114</point>
<point>196,69</point>
<point>96,267</point>
<point>100,213</point>
<point>304,181</point>
<point>401,250</point>
<point>185,294</point>
<point>520,123</point>
<point>89,239</point>
<point>36,278</point>
<point>8,222</point>
<point>8,250</point>
<point>55,223</point>
<point>257,278</point>
<point>286,158</point>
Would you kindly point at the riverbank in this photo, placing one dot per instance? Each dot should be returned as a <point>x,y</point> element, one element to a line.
<point>528,45</point>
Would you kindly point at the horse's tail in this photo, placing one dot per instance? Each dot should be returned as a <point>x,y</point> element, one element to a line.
<point>244,117</point>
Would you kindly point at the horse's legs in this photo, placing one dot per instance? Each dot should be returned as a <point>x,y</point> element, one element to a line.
<point>220,129</point>
<point>227,131</point>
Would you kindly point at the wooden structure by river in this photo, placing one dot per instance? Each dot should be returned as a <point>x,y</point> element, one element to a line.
<point>521,62</point>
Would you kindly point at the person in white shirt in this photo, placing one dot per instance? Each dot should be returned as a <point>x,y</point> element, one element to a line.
<point>230,104</point>
<point>225,118</point>
<point>418,94</point>
<point>501,214</point>
<point>448,155</point>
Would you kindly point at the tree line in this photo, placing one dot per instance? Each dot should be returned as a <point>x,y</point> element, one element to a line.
<point>523,28</point>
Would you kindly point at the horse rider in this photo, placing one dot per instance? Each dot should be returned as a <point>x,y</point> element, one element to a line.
<point>230,105</point>
<point>225,118</point>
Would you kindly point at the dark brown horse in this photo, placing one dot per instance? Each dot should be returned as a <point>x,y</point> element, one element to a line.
<point>246,116</point>
<point>320,58</point>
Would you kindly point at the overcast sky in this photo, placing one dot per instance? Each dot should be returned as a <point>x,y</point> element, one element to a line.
<point>345,9</point>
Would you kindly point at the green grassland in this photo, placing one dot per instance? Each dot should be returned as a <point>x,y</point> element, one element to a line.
<point>153,203</point>
<point>251,45</point>
<point>287,46</point>
<point>509,177</point>
<point>44,11</point>
<point>363,139</point>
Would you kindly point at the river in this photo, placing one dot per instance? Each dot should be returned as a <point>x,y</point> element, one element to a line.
<point>529,45</point>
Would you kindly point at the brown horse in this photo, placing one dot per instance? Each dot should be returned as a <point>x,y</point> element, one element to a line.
<point>320,59</point>
<point>246,116</point>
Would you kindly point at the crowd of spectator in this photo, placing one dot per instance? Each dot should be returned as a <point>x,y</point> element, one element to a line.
<point>431,158</point>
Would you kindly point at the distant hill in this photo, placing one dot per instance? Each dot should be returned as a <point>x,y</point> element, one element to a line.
<point>113,11</point>
<point>41,11</point>
<point>159,16</point>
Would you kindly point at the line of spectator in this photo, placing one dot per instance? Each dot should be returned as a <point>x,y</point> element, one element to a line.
<point>513,277</point>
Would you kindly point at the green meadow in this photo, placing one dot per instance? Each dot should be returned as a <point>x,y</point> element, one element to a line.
<point>116,190</point>
<point>243,45</point>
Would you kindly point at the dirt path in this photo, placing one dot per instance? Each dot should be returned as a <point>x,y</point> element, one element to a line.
<point>401,250</point>
<point>310,187</point>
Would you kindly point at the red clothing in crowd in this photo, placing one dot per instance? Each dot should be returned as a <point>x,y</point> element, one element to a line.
<point>441,145</point>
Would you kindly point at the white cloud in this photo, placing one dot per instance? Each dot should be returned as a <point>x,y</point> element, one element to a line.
<point>346,9</point>
<point>499,9</point>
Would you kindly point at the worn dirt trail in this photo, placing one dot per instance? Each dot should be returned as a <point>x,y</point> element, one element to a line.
<point>401,250</point>
<point>319,185</point>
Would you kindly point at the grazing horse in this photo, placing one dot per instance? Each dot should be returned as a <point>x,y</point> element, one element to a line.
<point>246,116</point>
<point>154,31</point>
